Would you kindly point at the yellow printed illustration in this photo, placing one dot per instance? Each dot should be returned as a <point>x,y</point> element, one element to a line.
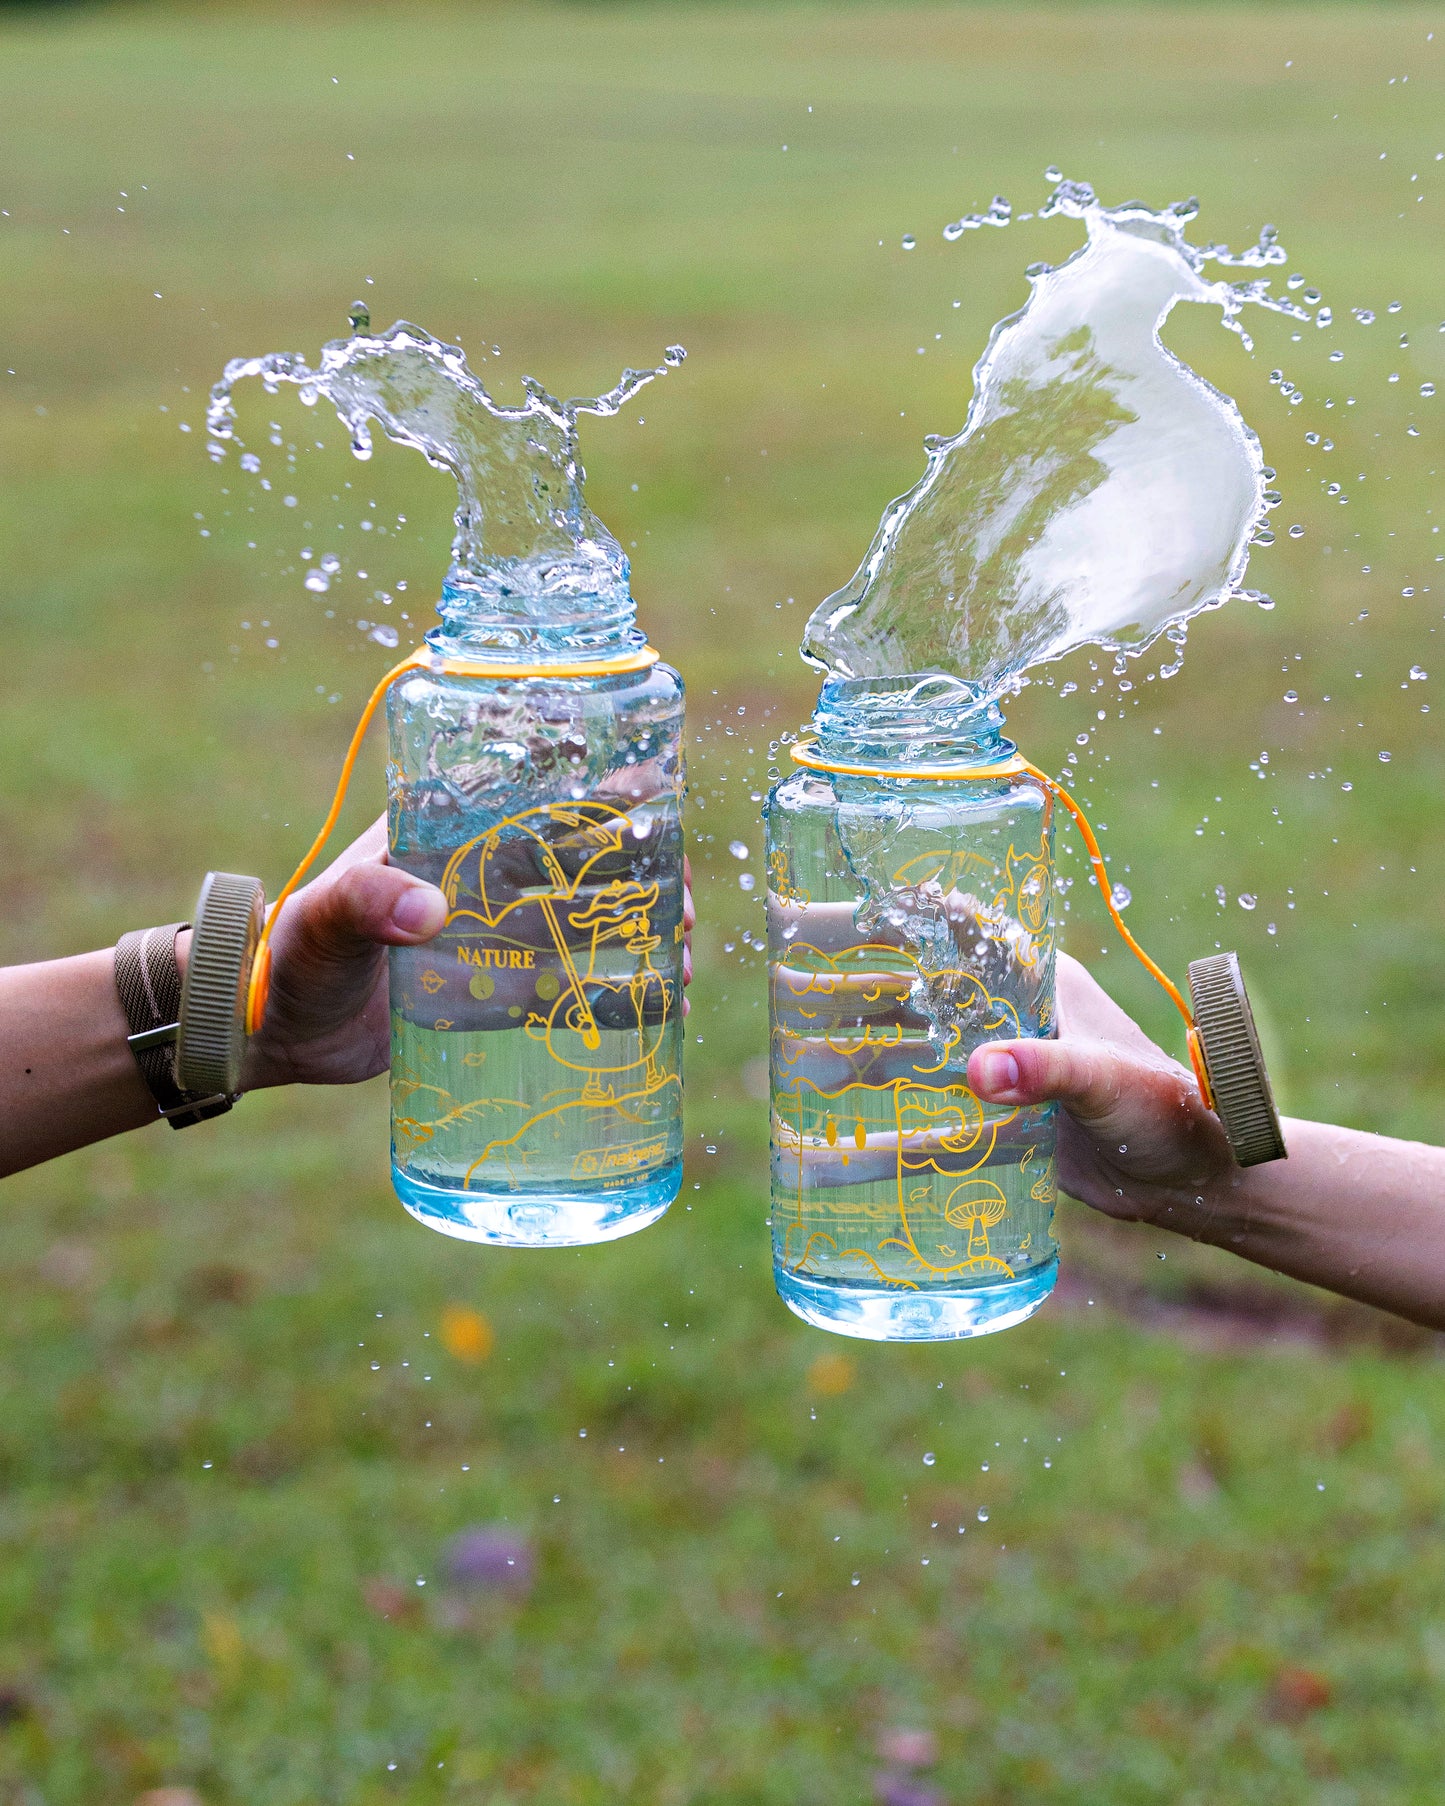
<point>887,1168</point>
<point>558,936</point>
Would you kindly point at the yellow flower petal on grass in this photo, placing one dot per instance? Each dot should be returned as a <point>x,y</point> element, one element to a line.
<point>466,1334</point>
<point>831,1375</point>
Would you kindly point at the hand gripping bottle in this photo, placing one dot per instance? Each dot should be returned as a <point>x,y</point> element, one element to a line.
<point>910,919</point>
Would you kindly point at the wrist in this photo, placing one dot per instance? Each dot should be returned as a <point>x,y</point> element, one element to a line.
<point>260,1070</point>
<point>1219,1206</point>
<point>148,968</point>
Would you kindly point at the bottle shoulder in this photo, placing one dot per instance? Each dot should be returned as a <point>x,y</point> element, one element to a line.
<point>970,799</point>
<point>657,687</point>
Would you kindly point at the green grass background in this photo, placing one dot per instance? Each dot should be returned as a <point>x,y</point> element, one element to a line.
<point>1211,1567</point>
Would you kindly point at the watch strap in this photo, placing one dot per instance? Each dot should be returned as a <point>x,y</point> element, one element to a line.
<point>148,979</point>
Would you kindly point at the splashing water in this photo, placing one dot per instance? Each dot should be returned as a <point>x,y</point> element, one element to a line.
<point>1100,491</point>
<point>529,558</point>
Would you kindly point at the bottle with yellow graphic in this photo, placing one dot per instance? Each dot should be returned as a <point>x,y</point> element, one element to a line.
<point>536,1072</point>
<point>910,918</point>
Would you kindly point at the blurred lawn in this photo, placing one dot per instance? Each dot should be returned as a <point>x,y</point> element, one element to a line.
<point>230,1442</point>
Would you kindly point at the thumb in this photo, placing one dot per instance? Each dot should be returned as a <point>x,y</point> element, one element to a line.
<point>1101,1086</point>
<point>363,906</point>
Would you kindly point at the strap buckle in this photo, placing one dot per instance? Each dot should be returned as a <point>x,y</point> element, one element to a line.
<point>198,1109</point>
<point>147,1038</point>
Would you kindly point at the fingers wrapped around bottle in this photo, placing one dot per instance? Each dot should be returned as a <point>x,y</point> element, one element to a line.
<point>882,1000</point>
<point>573,920</point>
<point>955,964</point>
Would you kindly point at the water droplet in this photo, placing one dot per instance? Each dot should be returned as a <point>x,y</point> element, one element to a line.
<point>1247,901</point>
<point>1296,531</point>
<point>857,1578</point>
<point>360,317</point>
<point>1121,896</point>
<point>738,849</point>
<point>982,1515</point>
<point>1384,758</point>
<point>746,881</point>
<point>909,241</point>
<point>1418,674</point>
<point>1291,696</point>
<point>929,1458</point>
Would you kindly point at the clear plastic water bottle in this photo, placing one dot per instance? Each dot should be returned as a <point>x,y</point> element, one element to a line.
<point>536,1070</point>
<point>910,919</point>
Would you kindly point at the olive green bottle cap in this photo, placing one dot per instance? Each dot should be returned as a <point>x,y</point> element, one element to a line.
<point>211,1042</point>
<point>1243,1100</point>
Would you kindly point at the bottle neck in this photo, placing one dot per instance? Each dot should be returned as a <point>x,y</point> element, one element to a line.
<point>584,630</point>
<point>924,720</point>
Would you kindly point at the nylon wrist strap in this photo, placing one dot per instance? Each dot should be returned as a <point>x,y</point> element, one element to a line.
<point>148,979</point>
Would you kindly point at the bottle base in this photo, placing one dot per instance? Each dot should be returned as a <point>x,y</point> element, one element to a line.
<point>539,1219</point>
<point>890,1314</point>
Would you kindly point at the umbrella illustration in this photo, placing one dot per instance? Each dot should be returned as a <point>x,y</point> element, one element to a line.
<point>564,845</point>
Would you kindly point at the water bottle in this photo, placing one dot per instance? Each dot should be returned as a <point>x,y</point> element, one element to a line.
<point>910,919</point>
<point>536,1065</point>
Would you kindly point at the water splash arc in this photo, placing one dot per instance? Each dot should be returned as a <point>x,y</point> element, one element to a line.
<point>1100,491</point>
<point>528,555</point>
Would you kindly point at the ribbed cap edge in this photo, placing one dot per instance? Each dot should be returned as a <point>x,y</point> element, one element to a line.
<point>1243,1099</point>
<point>212,1039</point>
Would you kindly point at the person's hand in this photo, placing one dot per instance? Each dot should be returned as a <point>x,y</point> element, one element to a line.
<point>1136,1140</point>
<point>328,1015</point>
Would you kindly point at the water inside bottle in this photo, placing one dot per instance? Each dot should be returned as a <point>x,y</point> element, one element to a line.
<point>536,1070</point>
<point>903,1206</point>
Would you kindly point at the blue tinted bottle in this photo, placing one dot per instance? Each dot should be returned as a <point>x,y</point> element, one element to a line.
<point>910,919</point>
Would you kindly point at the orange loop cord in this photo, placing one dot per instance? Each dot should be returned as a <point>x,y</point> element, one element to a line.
<point>805,754</point>
<point>423,659</point>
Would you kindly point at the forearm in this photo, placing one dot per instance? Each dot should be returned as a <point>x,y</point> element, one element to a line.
<point>1359,1214</point>
<point>67,1076</point>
